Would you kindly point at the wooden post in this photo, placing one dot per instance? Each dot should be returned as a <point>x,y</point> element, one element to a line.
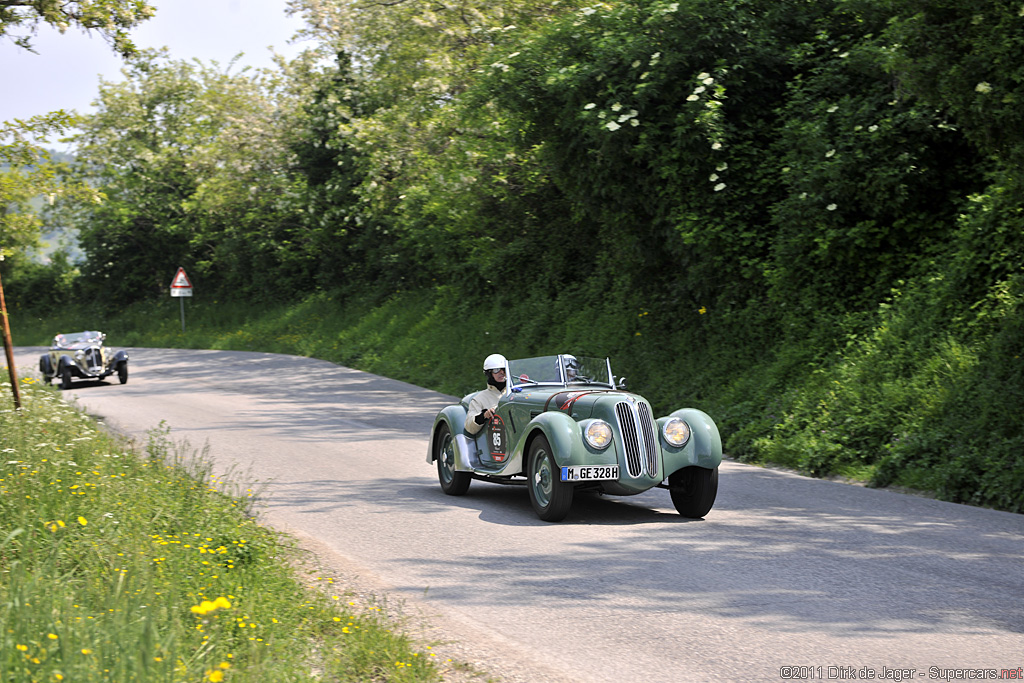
<point>9,349</point>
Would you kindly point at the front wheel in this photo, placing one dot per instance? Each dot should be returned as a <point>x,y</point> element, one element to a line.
<point>122,372</point>
<point>551,498</point>
<point>65,378</point>
<point>693,490</point>
<point>453,483</point>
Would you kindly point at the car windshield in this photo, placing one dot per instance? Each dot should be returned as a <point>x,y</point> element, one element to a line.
<point>560,370</point>
<point>76,339</point>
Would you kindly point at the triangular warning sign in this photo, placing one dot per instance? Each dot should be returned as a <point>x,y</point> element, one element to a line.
<point>181,280</point>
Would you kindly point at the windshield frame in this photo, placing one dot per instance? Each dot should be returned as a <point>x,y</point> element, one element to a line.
<point>77,339</point>
<point>553,371</point>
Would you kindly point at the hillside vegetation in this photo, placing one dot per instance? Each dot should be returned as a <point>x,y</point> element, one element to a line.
<point>803,216</point>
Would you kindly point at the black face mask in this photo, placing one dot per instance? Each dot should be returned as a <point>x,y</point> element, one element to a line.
<point>495,383</point>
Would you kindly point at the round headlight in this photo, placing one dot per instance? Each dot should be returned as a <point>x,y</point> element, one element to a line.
<point>676,432</point>
<point>598,434</point>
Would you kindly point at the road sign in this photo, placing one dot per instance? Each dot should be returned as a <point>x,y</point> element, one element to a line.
<point>181,285</point>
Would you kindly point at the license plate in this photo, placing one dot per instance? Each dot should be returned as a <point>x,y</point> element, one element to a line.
<point>590,473</point>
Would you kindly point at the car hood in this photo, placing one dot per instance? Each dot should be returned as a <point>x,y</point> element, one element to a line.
<point>579,402</point>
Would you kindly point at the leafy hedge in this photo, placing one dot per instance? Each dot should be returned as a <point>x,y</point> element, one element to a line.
<point>804,216</point>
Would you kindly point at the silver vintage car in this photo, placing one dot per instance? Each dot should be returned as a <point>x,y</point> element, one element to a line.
<point>565,425</point>
<point>81,355</point>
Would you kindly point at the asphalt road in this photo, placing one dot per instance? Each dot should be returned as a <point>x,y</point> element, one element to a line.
<point>787,578</point>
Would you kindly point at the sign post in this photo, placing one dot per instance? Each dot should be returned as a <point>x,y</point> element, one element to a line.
<point>8,349</point>
<point>181,287</point>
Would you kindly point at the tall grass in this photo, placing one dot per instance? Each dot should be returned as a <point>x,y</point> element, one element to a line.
<point>121,565</point>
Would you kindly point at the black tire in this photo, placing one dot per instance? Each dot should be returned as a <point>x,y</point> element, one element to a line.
<point>122,372</point>
<point>551,498</point>
<point>65,378</point>
<point>693,490</point>
<point>453,483</point>
<point>46,368</point>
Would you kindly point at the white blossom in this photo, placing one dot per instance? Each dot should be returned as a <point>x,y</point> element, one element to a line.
<point>611,125</point>
<point>831,207</point>
<point>719,187</point>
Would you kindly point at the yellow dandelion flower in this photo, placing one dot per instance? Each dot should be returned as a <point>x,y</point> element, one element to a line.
<point>51,636</point>
<point>215,676</point>
<point>86,651</point>
<point>82,520</point>
<point>21,647</point>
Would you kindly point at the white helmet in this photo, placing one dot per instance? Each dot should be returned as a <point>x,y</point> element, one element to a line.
<point>495,361</point>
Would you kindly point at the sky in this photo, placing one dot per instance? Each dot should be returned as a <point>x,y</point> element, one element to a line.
<point>65,73</point>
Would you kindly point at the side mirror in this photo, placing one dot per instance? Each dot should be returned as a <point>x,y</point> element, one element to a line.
<point>622,383</point>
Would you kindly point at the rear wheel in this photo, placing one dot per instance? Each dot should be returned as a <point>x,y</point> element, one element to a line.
<point>453,483</point>
<point>46,369</point>
<point>693,490</point>
<point>551,497</point>
<point>122,372</point>
<point>65,377</point>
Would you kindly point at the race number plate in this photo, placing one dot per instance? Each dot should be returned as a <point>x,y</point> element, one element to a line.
<point>590,472</point>
<point>497,441</point>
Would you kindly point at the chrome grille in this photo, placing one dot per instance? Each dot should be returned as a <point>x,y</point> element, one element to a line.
<point>630,442</point>
<point>650,443</point>
<point>636,424</point>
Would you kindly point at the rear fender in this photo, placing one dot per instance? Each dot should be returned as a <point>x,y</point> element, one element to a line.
<point>455,418</point>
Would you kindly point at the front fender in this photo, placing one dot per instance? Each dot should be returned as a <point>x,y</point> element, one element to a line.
<point>567,444</point>
<point>704,449</point>
<point>121,355</point>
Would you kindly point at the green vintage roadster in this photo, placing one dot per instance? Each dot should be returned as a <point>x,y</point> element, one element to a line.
<point>564,425</point>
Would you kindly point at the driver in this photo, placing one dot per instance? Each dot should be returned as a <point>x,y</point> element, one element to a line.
<point>483,405</point>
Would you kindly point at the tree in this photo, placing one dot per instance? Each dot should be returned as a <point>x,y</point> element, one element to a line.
<point>25,171</point>
<point>194,162</point>
<point>20,19</point>
<point>28,175</point>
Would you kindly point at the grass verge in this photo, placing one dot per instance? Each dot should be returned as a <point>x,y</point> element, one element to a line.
<point>124,563</point>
